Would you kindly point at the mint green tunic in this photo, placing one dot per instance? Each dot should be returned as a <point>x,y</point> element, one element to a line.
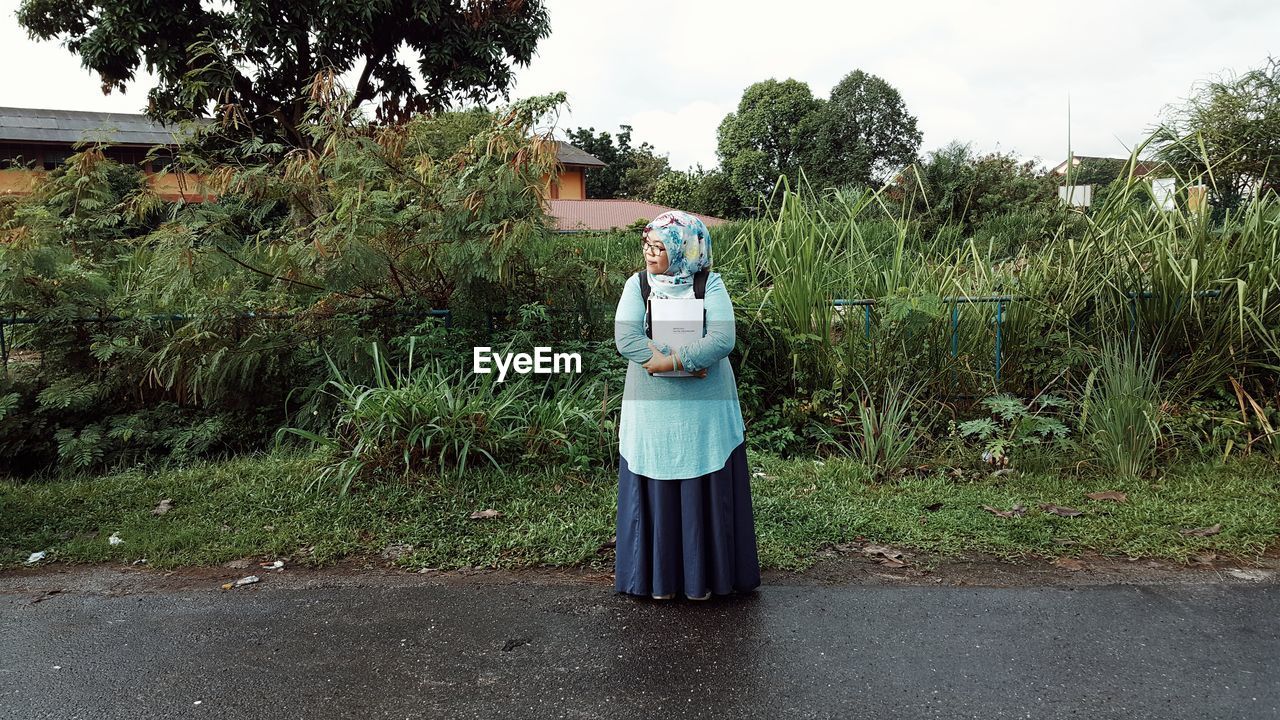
<point>678,428</point>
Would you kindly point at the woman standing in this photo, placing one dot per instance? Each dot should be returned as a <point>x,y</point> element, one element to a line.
<point>684,498</point>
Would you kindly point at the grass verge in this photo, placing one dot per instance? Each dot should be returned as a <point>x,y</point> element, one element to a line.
<point>255,506</point>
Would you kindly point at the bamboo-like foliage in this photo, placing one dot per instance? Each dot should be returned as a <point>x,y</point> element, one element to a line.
<point>229,306</point>
<point>1204,295</point>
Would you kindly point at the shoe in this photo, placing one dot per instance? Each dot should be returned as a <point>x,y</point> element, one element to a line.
<point>704,597</point>
<point>668,596</point>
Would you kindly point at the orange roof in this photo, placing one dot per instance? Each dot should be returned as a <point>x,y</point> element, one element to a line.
<point>579,215</point>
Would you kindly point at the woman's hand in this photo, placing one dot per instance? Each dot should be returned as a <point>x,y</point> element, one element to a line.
<point>666,363</point>
<point>659,362</point>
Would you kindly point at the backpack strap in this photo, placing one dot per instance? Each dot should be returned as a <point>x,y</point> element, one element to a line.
<point>644,297</point>
<point>699,291</point>
<point>700,283</point>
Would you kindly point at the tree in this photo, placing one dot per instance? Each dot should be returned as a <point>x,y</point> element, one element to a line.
<point>862,134</point>
<point>1227,135</point>
<point>762,140</point>
<point>676,189</point>
<point>449,132</point>
<point>258,59</point>
<point>954,186</point>
<point>1003,185</point>
<point>605,182</point>
<point>629,172</point>
<point>701,191</point>
<point>641,177</point>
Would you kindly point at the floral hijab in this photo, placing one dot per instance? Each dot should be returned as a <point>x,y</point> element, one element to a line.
<point>688,245</point>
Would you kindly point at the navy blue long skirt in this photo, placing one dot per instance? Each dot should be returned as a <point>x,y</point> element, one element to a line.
<point>687,536</point>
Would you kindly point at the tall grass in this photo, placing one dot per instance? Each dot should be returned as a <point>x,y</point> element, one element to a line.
<point>1204,296</point>
<point>885,435</point>
<point>441,421</point>
<point>1121,410</point>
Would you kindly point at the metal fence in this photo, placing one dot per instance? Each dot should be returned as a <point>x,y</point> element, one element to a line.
<point>1001,303</point>
<point>16,320</point>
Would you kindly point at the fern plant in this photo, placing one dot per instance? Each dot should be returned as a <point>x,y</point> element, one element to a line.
<point>1015,424</point>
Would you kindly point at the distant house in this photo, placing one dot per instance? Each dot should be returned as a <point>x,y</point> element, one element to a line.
<point>567,202</point>
<point>1141,168</point>
<point>571,180</point>
<point>1088,172</point>
<point>601,215</point>
<point>34,141</point>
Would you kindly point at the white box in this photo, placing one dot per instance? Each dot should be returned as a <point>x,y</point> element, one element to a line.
<point>676,322</point>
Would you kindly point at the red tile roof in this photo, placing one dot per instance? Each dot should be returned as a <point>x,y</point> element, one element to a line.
<point>578,215</point>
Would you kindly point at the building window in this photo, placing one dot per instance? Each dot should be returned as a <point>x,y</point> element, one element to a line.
<point>164,159</point>
<point>54,159</point>
<point>124,155</point>
<point>11,158</point>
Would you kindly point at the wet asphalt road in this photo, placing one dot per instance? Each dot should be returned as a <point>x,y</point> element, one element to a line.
<point>412,648</point>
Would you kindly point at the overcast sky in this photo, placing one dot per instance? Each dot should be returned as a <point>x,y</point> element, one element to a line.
<point>997,74</point>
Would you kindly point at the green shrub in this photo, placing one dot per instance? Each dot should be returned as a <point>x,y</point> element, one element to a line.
<point>175,329</point>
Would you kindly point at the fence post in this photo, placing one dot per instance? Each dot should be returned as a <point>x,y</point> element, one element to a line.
<point>955,344</point>
<point>999,335</point>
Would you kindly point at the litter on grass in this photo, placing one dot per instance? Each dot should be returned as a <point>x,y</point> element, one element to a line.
<point>241,582</point>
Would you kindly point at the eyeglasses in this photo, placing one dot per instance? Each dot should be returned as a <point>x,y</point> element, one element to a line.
<point>653,248</point>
